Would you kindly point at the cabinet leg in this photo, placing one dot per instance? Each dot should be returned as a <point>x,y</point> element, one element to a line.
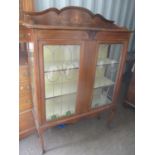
<point>41,140</point>
<point>110,120</point>
<point>43,152</point>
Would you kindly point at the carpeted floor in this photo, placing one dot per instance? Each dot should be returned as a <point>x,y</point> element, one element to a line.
<point>88,137</point>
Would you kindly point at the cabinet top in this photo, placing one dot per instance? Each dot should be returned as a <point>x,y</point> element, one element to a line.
<point>72,18</point>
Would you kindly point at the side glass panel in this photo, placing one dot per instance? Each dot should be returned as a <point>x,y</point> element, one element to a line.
<point>106,71</point>
<point>25,98</point>
<point>31,68</point>
<point>61,70</point>
<point>23,53</point>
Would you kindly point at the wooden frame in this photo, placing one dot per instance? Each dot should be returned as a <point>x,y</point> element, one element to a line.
<point>26,5</point>
<point>52,42</point>
<point>68,26</point>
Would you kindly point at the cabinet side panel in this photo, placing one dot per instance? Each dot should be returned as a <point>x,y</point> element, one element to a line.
<point>34,74</point>
<point>26,124</point>
<point>120,72</point>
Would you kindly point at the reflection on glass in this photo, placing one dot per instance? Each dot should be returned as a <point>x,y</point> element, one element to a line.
<point>61,68</point>
<point>60,106</point>
<point>106,70</point>
<point>31,67</point>
<point>23,53</point>
<point>61,57</point>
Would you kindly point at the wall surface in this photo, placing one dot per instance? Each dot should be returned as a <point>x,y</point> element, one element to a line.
<point>120,11</point>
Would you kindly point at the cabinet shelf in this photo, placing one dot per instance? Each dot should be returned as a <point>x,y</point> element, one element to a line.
<point>48,98</point>
<point>60,70</point>
<point>106,61</point>
<point>61,65</point>
<point>103,82</point>
<point>59,89</point>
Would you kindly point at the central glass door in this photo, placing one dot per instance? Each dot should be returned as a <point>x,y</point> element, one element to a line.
<point>61,72</point>
<point>106,71</point>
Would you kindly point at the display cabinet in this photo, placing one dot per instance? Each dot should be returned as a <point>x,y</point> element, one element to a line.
<point>76,63</point>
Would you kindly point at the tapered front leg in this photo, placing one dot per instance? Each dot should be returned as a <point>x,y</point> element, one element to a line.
<point>41,140</point>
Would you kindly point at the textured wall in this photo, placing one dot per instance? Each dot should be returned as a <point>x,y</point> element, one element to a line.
<point>121,11</point>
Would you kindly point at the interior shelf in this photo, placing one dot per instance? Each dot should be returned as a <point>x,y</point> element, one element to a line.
<point>60,106</point>
<point>61,70</point>
<point>61,65</point>
<point>106,61</point>
<point>69,87</point>
<point>102,82</point>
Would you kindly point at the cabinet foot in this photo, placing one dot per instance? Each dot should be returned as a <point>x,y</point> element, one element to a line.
<point>43,152</point>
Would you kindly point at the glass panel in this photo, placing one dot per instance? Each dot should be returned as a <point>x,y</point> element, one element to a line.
<point>106,70</point>
<point>61,69</point>
<point>24,81</point>
<point>31,68</point>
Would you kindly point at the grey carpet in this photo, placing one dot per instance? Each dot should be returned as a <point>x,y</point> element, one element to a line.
<point>88,137</point>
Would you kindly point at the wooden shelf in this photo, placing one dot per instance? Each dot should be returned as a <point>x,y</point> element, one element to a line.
<point>60,89</point>
<point>60,66</point>
<point>103,82</point>
<point>106,61</point>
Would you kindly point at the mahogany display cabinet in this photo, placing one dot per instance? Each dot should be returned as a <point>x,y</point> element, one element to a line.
<point>76,61</point>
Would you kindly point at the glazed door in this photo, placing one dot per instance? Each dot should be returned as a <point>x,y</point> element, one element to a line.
<point>107,66</point>
<point>60,74</point>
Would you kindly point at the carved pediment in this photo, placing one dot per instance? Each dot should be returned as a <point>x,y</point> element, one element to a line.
<point>68,16</point>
